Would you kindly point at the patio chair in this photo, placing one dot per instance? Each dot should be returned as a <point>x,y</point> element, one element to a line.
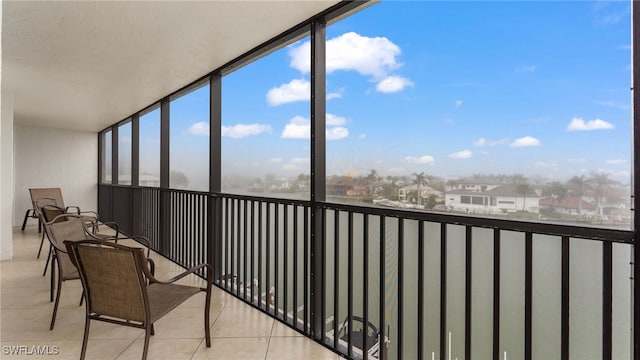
<point>53,196</point>
<point>120,289</point>
<point>70,227</point>
<point>48,212</point>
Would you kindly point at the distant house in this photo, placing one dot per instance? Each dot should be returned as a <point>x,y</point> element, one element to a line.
<point>338,186</point>
<point>568,206</point>
<point>470,185</point>
<point>498,199</point>
<point>425,192</point>
<point>358,190</point>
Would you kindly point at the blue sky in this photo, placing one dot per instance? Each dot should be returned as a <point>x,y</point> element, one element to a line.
<point>448,88</point>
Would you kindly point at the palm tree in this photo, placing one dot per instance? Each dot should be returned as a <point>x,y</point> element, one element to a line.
<point>372,178</point>
<point>523,188</point>
<point>577,185</point>
<point>555,190</point>
<point>600,183</point>
<point>419,180</point>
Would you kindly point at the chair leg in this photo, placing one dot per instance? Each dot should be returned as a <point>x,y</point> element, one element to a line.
<point>40,249</point>
<point>47,263</point>
<point>53,276</point>
<point>55,306</point>
<point>207,330</point>
<point>24,222</point>
<point>145,350</point>
<point>81,298</point>
<point>85,339</point>
<point>153,330</point>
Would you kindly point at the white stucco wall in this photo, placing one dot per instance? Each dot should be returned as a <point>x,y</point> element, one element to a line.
<point>6,176</point>
<point>55,158</point>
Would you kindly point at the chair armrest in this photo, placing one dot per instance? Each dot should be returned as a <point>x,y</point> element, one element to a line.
<point>152,266</point>
<point>139,238</point>
<point>115,227</point>
<point>153,280</point>
<point>73,207</point>
<point>144,241</point>
<point>90,214</point>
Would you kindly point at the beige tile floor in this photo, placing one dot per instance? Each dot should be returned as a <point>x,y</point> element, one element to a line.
<point>238,331</point>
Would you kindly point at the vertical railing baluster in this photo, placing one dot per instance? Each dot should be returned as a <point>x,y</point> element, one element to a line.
<point>260,288</point>
<point>496,294</point>
<point>227,250</point>
<point>350,288</point>
<point>285,262</point>
<point>365,281</point>
<point>400,324</point>
<point>253,250</point>
<point>295,265</point>
<point>421,290</point>
<point>238,243</point>
<point>382,290</point>
<point>268,255</point>
<point>276,271</point>
<point>245,204</point>
<point>323,325</point>
<point>528,296</point>
<point>305,271</point>
<point>565,310</point>
<point>443,290</point>
<point>467,293</point>
<point>336,272</point>
<point>607,297</point>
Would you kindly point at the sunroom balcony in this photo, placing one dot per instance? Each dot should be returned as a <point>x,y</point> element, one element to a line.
<point>240,134</point>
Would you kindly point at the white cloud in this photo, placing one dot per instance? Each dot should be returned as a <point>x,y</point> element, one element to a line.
<point>297,128</point>
<point>337,133</point>
<point>289,167</point>
<point>335,120</point>
<point>371,56</point>
<point>276,160</point>
<point>480,142</point>
<point>526,69</point>
<point>362,136</point>
<point>334,95</point>
<point>424,159</point>
<point>578,124</point>
<point>525,142</point>
<point>485,142</point>
<point>616,161</point>
<point>458,103</point>
<point>300,128</point>
<point>392,84</point>
<point>374,57</point>
<point>294,90</point>
<point>577,160</point>
<point>244,130</point>
<point>300,160</point>
<point>464,154</point>
<point>199,128</point>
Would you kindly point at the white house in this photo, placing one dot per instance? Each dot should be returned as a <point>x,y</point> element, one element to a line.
<point>497,200</point>
<point>425,192</point>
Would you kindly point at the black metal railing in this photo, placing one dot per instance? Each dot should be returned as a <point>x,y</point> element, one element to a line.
<point>401,284</point>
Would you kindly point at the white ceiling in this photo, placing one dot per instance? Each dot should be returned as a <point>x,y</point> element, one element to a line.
<point>86,65</point>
